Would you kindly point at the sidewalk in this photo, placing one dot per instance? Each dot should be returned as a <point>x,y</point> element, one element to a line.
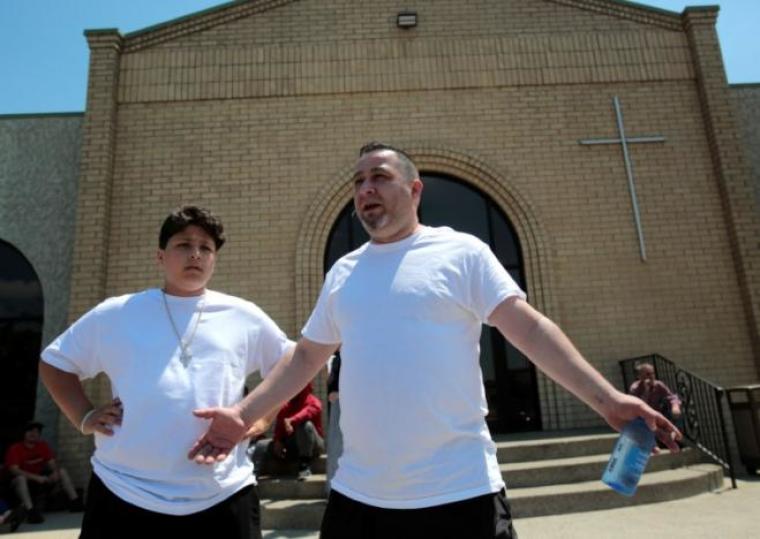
<point>726,513</point>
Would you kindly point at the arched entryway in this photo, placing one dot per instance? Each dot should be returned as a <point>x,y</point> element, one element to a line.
<point>21,315</point>
<point>509,378</point>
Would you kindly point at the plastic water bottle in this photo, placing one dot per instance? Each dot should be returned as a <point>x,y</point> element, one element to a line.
<point>629,457</point>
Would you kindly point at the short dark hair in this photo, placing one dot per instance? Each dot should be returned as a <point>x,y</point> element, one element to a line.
<point>408,168</point>
<point>32,425</point>
<point>185,216</point>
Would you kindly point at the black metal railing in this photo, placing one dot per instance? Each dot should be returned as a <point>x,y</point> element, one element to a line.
<point>702,422</point>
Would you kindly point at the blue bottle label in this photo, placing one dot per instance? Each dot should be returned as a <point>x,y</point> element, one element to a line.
<point>627,463</point>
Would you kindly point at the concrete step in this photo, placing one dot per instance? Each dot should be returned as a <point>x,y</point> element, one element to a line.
<point>595,495</point>
<point>511,448</point>
<point>292,514</point>
<point>586,468</point>
<point>288,488</point>
<point>555,447</point>
<point>290,534</point>
<point>276,468</point>
<point>516,475</point>
<point>535,501</point>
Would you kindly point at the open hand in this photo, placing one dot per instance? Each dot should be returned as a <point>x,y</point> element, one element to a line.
<point>626,408</point>
<point>226,430</point>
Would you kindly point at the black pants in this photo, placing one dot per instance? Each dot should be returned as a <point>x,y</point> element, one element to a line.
<point>484,517</point>
<point>109,517</point>
<point>304,445</point>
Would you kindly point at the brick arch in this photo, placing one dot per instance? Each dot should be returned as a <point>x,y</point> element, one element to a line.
<point>533,239</point>
<point>327,205</point>
<point>20,349</point>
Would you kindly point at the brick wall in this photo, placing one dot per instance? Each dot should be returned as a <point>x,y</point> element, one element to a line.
<point>270,159</point>
<point>39,166</point>
<point>746,98</point>
<point>257,111</point>
<point>92,221</point>
<point>730,167</point>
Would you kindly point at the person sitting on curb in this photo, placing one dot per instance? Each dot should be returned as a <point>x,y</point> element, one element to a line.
<point>298,435</point>
<point>35,472</point>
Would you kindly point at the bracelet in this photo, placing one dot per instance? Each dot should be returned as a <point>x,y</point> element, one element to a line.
<point>84,420</point>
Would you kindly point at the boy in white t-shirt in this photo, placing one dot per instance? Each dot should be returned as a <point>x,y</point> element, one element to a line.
<point>406,310</point>
<point>166,352</point>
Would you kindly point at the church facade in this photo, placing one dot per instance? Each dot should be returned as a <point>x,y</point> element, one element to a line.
<point>595,144</point>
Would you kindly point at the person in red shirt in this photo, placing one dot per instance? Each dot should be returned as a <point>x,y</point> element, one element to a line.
<point>298,434</point>
<point>32,465</point>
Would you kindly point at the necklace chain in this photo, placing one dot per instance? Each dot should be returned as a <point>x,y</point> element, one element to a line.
<point>185,355</point>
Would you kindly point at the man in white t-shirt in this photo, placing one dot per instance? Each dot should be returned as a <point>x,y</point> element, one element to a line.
<point>166,351</point>
<point>406,310</point>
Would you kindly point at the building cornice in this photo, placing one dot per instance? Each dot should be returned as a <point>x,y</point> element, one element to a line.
<point>237,9</point>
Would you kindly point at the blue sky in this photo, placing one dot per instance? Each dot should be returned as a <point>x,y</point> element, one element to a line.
<point>43,54</point>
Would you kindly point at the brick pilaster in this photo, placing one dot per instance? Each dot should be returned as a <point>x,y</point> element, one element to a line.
<point>731,170</point>
<point>93,217</point>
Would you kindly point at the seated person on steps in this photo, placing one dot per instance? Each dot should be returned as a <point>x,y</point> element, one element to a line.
<point>298,436</point>
<point>655,393</point>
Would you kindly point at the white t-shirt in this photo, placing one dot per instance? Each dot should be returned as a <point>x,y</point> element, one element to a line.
<point>408,316</point>
<point>130,339</point>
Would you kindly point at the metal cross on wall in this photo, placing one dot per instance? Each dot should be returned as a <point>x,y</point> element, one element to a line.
<point>624,141</point>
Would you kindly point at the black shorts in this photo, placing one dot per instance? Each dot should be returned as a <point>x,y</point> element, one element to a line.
<point>484,517</point>
<point>109,517</point>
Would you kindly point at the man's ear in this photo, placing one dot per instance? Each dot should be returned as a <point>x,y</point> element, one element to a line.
<point>160,258</point>
<point>417,187</point>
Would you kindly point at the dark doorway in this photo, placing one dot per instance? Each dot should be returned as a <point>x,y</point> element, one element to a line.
<point>21,313</point>
<point>509,378</point>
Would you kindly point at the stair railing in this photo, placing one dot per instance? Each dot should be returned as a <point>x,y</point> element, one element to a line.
<point>703,423</point>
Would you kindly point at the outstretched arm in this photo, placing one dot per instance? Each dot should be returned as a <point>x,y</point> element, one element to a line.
<point>69,395</point>
<point>229,425</point>
<point>544,343</point>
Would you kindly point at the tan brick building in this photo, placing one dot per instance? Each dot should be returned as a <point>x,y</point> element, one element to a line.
<point>256,109</point>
